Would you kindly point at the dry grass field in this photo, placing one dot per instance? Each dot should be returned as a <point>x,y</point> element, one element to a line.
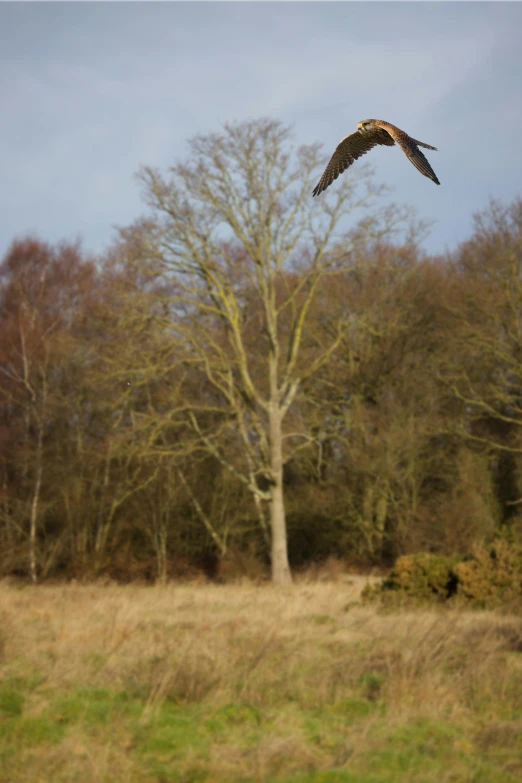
<point>247,683</point>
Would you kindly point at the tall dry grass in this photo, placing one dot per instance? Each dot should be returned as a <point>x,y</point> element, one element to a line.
<point>308,647</point>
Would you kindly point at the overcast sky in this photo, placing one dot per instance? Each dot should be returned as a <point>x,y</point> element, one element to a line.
<point>90,91</point>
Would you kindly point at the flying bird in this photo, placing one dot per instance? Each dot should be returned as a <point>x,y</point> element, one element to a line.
<point>369,133</point>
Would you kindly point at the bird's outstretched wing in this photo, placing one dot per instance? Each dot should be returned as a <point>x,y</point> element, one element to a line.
<point>412,152</point>
<point>349,149</point>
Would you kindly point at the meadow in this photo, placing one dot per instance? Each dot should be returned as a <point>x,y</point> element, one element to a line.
<point>230,683</point>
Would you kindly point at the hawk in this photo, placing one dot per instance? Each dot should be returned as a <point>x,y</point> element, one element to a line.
<point>369,133</point>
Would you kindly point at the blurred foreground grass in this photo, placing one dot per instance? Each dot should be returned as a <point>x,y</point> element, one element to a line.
<point>247,683</point>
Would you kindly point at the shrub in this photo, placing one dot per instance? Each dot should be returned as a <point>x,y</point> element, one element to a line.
<point>422,575</point>
<point>419,576</point>
<point>492,575</point>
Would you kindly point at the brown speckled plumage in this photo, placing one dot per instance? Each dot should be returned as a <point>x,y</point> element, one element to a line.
<point>369,134</point>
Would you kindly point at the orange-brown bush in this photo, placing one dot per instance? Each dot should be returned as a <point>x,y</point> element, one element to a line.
<point>493,575</point>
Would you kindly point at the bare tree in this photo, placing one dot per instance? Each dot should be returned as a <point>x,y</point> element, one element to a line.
<point>35,319</point>
<point>246,250</point>
<point>485,367</point>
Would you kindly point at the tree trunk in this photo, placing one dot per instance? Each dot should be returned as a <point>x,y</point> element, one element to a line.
<point>160,547</point>
<point>34,506</point>
<point>281,574</point>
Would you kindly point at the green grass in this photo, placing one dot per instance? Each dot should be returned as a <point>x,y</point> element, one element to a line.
<point>180,742</point>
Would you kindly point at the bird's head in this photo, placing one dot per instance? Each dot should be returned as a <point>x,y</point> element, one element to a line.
<point>365,125</point>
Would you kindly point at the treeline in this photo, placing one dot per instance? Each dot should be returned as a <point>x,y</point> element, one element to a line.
<point>241,372</point>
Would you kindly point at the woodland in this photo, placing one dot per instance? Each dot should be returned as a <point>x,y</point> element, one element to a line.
<point>251,381</point>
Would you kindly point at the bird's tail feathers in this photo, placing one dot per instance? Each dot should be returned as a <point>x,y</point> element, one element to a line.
<point>423,144</point>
